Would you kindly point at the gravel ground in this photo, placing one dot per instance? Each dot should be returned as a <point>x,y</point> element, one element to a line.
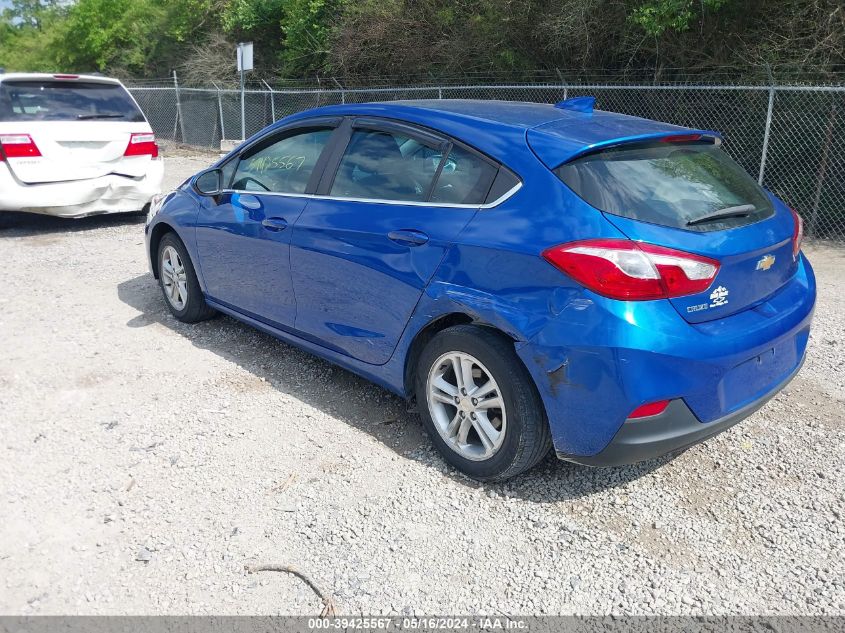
<point>145,462</point>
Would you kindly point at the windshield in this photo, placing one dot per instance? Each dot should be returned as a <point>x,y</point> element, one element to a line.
<point>46,100</point>
<point>671,184</point>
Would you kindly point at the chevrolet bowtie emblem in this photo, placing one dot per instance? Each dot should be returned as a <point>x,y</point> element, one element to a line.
<point>766,262</point>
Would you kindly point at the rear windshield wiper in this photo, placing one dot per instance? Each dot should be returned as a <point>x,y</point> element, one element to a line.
<point>739,211</point>
<point>88,117</point>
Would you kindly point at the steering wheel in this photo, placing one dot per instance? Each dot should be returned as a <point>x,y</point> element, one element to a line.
<point>243,181</point>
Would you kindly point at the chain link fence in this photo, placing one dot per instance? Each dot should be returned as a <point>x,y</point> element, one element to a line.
<point>791,137</point>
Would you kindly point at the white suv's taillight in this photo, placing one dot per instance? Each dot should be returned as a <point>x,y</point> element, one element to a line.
<point>18,146</point>
<point>633,271</point>
<point>142,144</point>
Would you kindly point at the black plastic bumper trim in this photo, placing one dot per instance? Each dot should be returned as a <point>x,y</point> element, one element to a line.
<point>674,430</point>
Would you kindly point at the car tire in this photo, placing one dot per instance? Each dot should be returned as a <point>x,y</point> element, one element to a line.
<point>509,440</point>
<point>178,282</point>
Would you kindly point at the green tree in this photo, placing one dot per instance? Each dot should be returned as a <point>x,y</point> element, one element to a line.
<point>306,25</point>
<point>29,12</point>
<point>658,16</point>
<point>27,34</point>
<point>117,34</point>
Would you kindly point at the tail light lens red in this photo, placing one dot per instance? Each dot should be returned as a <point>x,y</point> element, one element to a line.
<point>681,138</point>
<point>632,271</point>
<point>797,234</point>
<point>650,409</point>
<point>18,146</point>
<point>142,144</point>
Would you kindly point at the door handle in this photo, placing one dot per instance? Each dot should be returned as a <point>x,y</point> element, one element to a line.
<point>408,237</point>
<point>274,224</point>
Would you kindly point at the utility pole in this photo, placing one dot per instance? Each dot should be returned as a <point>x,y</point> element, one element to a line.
<point>244,64</point>
<point>179,123</point>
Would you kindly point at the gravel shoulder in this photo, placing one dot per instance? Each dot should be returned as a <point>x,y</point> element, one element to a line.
<point>126,435</point>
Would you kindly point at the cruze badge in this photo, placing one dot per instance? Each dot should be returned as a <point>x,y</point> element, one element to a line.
<point>766,262</point>
<point>719,297</point>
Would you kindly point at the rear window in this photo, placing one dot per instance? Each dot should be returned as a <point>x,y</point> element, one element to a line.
<point>66,101</point>
<point>682,185</point>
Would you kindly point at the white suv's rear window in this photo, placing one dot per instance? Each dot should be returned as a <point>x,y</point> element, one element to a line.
<point>40,100</point>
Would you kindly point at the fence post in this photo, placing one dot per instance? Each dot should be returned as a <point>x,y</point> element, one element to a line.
<point>768,126</point>
<point>243,107</point>
<point>562,83</point>
<point>272,101</point>
<point>179,123</point>
<point>220,110</point>
<point>342,90</point>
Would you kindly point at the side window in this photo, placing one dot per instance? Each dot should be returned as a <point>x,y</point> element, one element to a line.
<point>465,179</point>
<point>284,166</point>
<point>385,166</point>
<point>228,171</point>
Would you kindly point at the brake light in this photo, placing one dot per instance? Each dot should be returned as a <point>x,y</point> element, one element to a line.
<point>18,146</point>
<point>650,409</point>
<point>65,76</point>
<point>142,144</point>
<point>797,234</point>
<point>680,138</point>
<point>633,271</point>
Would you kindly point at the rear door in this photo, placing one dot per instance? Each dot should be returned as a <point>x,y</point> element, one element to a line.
<point>686,193</point>
<point>365,248</point>
<point>73,129</point>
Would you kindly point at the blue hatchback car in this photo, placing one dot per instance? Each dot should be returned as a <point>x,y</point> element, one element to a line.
<point>534,276</point>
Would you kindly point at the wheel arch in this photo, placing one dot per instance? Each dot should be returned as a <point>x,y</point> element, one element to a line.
<point>429,331</point>
<point>156,234</point>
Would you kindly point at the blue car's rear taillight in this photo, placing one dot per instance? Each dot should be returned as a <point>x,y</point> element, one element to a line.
<point>797,234</point>
<point>633,271</point>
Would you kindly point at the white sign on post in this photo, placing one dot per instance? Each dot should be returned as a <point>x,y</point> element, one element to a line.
<point>245,56</point>
<point>244,64</point>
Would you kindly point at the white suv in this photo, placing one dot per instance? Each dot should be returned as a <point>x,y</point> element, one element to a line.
<point>74,145</point>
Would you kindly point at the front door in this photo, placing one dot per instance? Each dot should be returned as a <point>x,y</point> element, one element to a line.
<point>243,236</point>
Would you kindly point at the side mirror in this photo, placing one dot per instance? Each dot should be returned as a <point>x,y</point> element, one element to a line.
<point>209,182</point>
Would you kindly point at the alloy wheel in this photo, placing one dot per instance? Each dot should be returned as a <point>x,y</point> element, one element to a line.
<point>466,405</point>
<point>174,279</point>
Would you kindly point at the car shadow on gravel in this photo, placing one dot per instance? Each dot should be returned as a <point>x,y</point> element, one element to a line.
<point>16,224</point>
<point>357,402</point>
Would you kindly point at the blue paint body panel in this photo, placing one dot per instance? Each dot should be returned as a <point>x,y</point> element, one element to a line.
<point>333,283</point>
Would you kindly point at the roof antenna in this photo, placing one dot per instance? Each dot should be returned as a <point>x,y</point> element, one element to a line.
<point>578,104</point>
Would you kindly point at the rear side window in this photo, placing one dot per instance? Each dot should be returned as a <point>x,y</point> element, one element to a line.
<point>283,166</point>
<point>672,184</point>
<point>66,101</point>
<point>381,165</point>
<point>464,179</point>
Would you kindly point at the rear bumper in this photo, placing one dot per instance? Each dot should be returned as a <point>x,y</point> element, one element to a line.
<point>599,360</point>
<point>674,430</point>
<point>79,198</point>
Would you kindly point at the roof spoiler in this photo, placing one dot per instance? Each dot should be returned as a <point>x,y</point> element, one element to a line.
<point>555,148</point>
<point>578,104</point>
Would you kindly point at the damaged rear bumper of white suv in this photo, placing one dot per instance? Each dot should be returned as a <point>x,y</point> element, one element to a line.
<point>79,198</point>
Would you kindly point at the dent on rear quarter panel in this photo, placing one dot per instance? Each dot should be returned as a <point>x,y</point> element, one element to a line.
<point>496,275</point>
